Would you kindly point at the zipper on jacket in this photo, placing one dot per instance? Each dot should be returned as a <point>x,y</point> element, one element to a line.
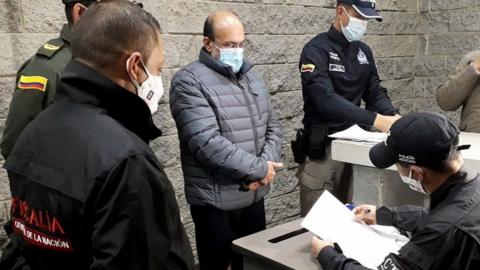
<point>258,109</point>
<point>252,120</point>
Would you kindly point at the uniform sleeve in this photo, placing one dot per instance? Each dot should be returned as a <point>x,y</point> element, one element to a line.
<point>318,87</point>
<point>272,150</point>
<point>427,248</point>
<point>33,81</point>
<point>199,131</point>
<point>455,91</point>
<point>410,257</point>
<point>403,217</point>
<point>136,221</point>
<point>376,97</point>
<point>330,259</point>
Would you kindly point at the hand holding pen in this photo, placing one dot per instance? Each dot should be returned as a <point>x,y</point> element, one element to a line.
<point>366,213</point>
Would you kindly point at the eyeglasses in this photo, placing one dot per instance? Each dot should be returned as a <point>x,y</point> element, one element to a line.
<point>229,45</point>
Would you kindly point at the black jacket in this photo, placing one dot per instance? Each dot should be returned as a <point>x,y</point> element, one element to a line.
<point>445,237</point>
<point>88,192</point>
<point>336,76</point>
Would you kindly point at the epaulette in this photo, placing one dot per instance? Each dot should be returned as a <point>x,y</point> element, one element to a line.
<point>50,48</point>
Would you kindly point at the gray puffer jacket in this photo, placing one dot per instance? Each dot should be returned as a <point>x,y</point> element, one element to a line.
<point>227,130</point>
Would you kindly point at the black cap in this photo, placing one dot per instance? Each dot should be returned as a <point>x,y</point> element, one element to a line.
<point>423,139</point>
<point>365,8</point>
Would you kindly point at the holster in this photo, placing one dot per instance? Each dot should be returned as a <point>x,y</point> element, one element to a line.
<point>299,146</point>
<point>317,142</point>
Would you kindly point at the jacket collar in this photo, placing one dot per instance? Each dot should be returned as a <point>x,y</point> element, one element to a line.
<point>337,37</point>
<point>83,85</point>
<point>208,60</point>
<point>66,33</point>
<point>453,183</point>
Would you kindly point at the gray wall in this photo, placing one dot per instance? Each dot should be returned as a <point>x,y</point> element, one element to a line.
<point>417,45</point>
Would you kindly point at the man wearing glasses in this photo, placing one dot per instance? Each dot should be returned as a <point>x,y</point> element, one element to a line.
<point>230,141</point>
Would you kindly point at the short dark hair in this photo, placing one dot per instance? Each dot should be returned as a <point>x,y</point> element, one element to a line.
<point>110,28</point>
<point>208,29</point>
<point>69,9</point>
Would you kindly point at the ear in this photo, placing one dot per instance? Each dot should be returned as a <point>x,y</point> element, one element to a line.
<point>77,11</point>
<point>417,172</point>
<point>133,66</point>
<point>339,11</point>
<point>207,44</point>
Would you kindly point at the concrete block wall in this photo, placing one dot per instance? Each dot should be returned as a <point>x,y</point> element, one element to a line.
<point>417,45</point>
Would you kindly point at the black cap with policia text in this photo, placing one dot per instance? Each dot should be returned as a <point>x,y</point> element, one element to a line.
<point>364,8</point>
<point>423,139</point>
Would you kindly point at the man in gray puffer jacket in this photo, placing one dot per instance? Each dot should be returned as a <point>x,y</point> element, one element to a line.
<point>230,141</point>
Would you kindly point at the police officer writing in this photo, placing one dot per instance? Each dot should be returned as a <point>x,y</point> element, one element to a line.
<point>424,147</point>
<point>87,191</point>
<point>338,72</point>
<point>38,77</point>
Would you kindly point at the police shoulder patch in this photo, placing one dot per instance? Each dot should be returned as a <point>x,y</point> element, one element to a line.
<point>307,68</point>
<point>32,83</point>
<point>50,48</point>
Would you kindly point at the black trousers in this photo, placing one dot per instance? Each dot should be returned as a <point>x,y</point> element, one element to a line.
<point>216,229</point>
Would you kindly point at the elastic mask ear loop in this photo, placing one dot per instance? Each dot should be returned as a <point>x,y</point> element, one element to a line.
<point>349,17</point>
<point>135,84</point>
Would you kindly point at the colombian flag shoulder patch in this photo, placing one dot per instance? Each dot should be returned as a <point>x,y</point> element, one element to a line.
<point>307,68</point>
<point>32,83</point>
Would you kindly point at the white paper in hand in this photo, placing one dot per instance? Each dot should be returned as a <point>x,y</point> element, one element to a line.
<point>356,133</point>
<point>369,245</point>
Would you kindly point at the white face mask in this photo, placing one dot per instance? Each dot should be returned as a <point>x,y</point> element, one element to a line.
<point>413,184</point>
<point>355,29</point>
<point>151,90</point>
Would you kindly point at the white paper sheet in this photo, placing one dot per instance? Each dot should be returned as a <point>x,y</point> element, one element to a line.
<point>356,133</point>
<point>369,245</point>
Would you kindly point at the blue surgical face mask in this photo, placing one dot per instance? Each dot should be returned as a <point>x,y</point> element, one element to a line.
<point>232,57</point>
<point>355,29</point>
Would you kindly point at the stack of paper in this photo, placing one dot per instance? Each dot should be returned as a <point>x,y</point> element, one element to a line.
<point>369,245</point>
<point>356,133</point>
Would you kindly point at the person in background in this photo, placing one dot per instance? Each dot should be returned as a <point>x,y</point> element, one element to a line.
<point>38,77</point>
<point>463,90</point>
<point>338,71</point>
<point>424,147</point>
<point>230,141</point>
<point>87,190</point>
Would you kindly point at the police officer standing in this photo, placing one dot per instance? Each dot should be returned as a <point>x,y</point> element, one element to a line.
<point>38,77</point>
<point>424,147</point>
<point>338,72</point>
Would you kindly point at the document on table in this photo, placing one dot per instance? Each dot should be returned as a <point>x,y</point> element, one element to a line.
<point>369,245</point>
<point>356,133</point>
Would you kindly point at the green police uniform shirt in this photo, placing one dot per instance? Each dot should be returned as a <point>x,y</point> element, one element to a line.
<point>36,84</point>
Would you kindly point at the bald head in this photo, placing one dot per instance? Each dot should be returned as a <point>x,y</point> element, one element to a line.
<point>222,29</point>
<point>220,20</point>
